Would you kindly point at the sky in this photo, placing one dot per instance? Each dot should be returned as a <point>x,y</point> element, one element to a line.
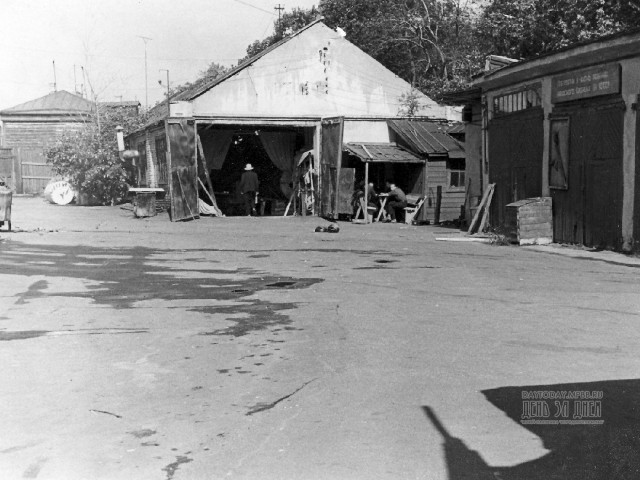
<point>103,37</point>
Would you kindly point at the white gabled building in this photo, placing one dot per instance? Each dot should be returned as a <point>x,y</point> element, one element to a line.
<point>313,90</point>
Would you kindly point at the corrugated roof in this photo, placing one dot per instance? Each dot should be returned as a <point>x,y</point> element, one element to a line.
<point>456,128</point>
<point>427,138</point>
<point>382,152</point>
<point>60,102</point>
<point>125,103</point>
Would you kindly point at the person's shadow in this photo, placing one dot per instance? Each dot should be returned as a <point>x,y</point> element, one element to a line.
<point>606,451</point>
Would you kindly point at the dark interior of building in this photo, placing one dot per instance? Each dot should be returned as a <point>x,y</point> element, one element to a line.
<point>246,147</point>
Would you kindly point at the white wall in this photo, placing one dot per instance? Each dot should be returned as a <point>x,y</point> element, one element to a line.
<point>315,74</point>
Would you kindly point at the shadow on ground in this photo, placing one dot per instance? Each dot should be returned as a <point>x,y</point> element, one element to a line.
<point>601,451</point>
<point>124,276</point>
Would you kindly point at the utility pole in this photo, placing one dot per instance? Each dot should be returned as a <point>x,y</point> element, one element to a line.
<point>84,82</point>
<point>168,98</point>
<point>279,8</point>
<point>146,78</point>
<point>55,84</point>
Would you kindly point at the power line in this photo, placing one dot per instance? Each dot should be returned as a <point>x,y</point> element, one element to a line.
<point>121,57</point>
<point>253,6</point>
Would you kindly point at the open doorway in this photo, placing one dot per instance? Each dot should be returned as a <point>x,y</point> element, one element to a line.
<point>269,150</point>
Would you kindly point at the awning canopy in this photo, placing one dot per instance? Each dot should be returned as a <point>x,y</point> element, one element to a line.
<point>382,153</point>
<point>427,138</point>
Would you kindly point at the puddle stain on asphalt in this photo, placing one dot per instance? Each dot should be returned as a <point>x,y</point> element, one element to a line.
<point>27,334</point>
<point>145,432</point>
<point>281,284</point>
<point>21,335</point>
<point>34,469</point>
<point>34,291</point>
<point>122,283</point>
<point>173,467</point>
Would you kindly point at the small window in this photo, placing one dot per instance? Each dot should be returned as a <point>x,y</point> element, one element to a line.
<point>528,97</point>
<point>456,170</point>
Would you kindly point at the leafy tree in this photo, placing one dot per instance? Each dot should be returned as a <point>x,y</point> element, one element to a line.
<point>213,71</point>
<point>427,42</point>
<point>525,28</point>
<point>439,45</point>
<point>288,23</point>
<point>88,158</point>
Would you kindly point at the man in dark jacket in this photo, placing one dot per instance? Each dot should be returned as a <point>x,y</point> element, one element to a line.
<point>395,201</point>
<point>249,185</point>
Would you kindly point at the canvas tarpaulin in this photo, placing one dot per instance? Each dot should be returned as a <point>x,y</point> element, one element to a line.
<point>280,146</point>
<point>216,146</point>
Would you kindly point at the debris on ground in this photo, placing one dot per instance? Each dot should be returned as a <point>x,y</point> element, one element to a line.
<point>332,228</point>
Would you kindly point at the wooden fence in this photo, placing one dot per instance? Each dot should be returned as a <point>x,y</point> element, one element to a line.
<point>24,170</point>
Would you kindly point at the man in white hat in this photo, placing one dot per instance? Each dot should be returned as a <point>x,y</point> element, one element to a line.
<point>249,185</point>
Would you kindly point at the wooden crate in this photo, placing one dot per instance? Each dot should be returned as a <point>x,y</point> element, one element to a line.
<point>530,221</point>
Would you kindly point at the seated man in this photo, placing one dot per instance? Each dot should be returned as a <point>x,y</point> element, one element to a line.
<point>396,200</point>
<point>373,204</point>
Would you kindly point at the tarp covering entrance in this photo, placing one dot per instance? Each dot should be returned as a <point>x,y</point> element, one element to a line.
<point>280,146</point>
<point>216,147</point>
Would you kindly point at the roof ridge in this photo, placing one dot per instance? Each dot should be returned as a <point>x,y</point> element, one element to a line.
<point>187,95</point>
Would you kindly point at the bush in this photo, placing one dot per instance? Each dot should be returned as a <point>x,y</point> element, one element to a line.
<point>88,158</point>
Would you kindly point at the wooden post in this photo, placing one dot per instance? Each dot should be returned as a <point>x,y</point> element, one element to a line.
<point>303,195</point>
<point>422,215</point>
<point>295,201</point>
<point>17,169</point>
<point>366,192</point>
<point>482,210</point>
<point>485,214</point>
<point>436,215</point>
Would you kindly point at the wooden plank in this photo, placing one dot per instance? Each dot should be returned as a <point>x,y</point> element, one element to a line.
<point>485,215</point>
<point>534,227</point>
<point>480,208</point>
<point>436,215</point>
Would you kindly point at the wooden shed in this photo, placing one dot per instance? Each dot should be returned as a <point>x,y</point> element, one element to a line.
<point>444,167</point>
<point>26,130</point>
<point>312,91</point>
<point>564,125</point>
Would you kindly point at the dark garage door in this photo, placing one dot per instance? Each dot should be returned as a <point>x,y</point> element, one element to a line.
<point>589,210</point>
<point>515,159</point>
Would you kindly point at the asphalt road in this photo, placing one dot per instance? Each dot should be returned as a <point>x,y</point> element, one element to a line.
<point>254,348</point>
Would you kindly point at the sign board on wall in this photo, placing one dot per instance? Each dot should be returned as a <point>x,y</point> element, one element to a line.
<point>586,83</point>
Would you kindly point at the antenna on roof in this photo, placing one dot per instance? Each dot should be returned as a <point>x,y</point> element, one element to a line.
<point>84,81</point>
<point>55,85</point>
